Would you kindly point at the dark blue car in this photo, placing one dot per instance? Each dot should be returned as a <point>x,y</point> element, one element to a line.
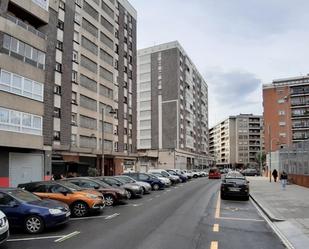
<point>155,183</point>
<point>25,210</point>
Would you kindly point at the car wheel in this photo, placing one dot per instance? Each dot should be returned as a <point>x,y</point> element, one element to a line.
<point>129,194</point>
<point>109,200</point>
<point>143,191</point>
<point>155,186</point>
<point>222,196</point>
<point>34,224</point>
<point>79,209</point>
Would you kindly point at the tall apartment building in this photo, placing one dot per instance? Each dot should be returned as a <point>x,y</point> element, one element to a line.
<point>62,64</point>
<point>237,140</point>
<point>172,108</point>
<point>286,112</point>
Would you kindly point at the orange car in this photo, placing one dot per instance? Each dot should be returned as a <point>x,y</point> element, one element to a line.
<point>81,201</point>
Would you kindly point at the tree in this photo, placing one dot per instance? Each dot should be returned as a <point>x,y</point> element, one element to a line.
<point>261,158</point>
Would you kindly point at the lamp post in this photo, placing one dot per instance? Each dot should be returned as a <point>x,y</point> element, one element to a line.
<point>112,111</point>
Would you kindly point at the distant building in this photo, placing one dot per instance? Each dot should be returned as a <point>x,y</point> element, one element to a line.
<point>237,141</point>
<point>172,109</point>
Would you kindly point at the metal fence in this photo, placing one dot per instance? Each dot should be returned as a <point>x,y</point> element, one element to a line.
<point>295,159</point>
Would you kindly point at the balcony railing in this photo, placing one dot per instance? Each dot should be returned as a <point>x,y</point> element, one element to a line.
<point>26,26</point>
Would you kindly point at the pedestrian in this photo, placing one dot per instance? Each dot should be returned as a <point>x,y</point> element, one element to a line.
<point>275,175</point>
<point>283,179</point>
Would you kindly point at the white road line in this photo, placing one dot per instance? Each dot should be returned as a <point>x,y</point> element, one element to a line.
<point>240,219</point>
<point>68,236</point>
<point>137,205</point>
<point>168,190</point>
<point>150,199</point>
<point>157,196</point>
<point>35,238</point>
<point>111,216</point>
<point>90,217</point>
<point>175,187</point>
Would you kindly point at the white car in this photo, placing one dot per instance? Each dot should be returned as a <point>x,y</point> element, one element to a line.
<point>187,173</point>
<point>174,179</point>
<point>4,227</point>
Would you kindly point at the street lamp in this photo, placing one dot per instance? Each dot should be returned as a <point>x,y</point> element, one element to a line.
<point>112,111</point>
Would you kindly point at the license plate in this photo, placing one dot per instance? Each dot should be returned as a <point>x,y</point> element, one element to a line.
<point>68,214</point>
<point>234,189</point>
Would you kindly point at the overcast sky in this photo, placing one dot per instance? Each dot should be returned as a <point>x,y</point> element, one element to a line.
<point>237,45</point>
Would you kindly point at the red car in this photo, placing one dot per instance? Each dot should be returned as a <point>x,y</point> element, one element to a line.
<point>214,173</point>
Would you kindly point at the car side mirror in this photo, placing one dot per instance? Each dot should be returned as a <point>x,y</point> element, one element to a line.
<point>96,187</point>
<point>64,192</point>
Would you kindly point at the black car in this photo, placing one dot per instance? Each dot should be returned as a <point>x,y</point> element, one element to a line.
<point>235,185</point>
<point>250,172</point>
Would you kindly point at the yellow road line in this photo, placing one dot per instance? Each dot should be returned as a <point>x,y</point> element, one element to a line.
<point>216,228</point>
<point>214,245</point>
<point>217,214</point>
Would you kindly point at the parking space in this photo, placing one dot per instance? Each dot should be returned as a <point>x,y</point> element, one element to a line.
<point>78,226</point>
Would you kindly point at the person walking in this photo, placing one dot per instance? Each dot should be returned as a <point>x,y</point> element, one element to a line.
<point>283,179</point>
<point>275,175</point>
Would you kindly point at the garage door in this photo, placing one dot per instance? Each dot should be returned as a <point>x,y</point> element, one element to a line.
<point>25,167</point>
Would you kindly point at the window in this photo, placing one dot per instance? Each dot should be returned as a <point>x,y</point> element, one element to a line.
<point>56,135</point>
<point>88,103</point>
<point>6,200</point>
<point>125,131</point>
<point>106,57</point>
<point>105,74</point>
<point>77,18</point>
<point>87,142</point>
<point>91,11</point>
<point>19,85</point>
<point>145,114</point>
<point>89,45</point>
<point>107,9</point>
<point>74,119</point>
<point>280,101</point>
<point>105,91</point>
<point>74,76</point>
<point>281,112</point>
<point>88,83</point>
<point>58,67</point>
<point>89,64</point>
<point>87,122</point>
<point>107,25</point>
<point>57,89</point>
<point>75,56</point>
<point>89,27</point>
<point>57,112</point>
<point>59,45</point>
<point>11,120</point>
<point>27,53</point>
<point>76,37</point>
<point>73,140</point>
<point>282,123</point>
<point>60,25</point>
<point>78,2</point>
<point>125,146</point>
<point>74,98</point>
<point>106,40</point>
<point>61,5</point>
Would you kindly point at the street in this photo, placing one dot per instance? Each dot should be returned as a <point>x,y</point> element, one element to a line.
<point>184,216</point>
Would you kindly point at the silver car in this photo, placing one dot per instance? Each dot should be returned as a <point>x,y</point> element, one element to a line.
<point>146,186</point>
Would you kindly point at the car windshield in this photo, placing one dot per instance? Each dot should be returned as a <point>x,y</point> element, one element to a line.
<point>235,180</point>
<point>126,179</point>
<point>71,186</point>
<point>23,195</point>
<point>156,174</point>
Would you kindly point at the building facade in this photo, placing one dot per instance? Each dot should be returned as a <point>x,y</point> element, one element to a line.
<point>237,141</point>
<point>62,64</point>
<point>172,108</point>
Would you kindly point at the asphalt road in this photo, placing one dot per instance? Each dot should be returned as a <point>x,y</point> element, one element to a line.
<point>188,216</point>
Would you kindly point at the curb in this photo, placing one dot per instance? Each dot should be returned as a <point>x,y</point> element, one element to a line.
<point>265,210</point>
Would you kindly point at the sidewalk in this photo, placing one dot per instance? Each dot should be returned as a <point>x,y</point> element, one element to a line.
<point>288,210</point>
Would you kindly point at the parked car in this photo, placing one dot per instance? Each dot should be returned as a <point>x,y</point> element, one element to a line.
<point>250,172</point>
<point>111,195</point>
<point>155,183</point>
<point>80,201</point>
<point>133,190</point>
<point>185,172</point>
<point>235,185</point>
<point>4,228</point>
<point>182,177</point>
<point>146,186</point>
<point>174,179</point>
<point>198,172</point>
<point>26,210</point>
<point>166,181</point>
<point>214,173</point>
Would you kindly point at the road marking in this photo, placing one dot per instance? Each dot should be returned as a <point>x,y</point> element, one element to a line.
<point>240,219</point>
<point>137,205</point>
<point>111,216</point>
<point>150,199</point>
<point>70,235</point>
<point>175,187</point>
<point>214,245</point>
<point>157,196</point>
<point>90,217</point>
<point>35,238</point>
<point>168,190</point>
<point>217,214</point>
<point>216,228</point>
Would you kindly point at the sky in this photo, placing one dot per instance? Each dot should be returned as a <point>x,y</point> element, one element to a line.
<point>237,45</point>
